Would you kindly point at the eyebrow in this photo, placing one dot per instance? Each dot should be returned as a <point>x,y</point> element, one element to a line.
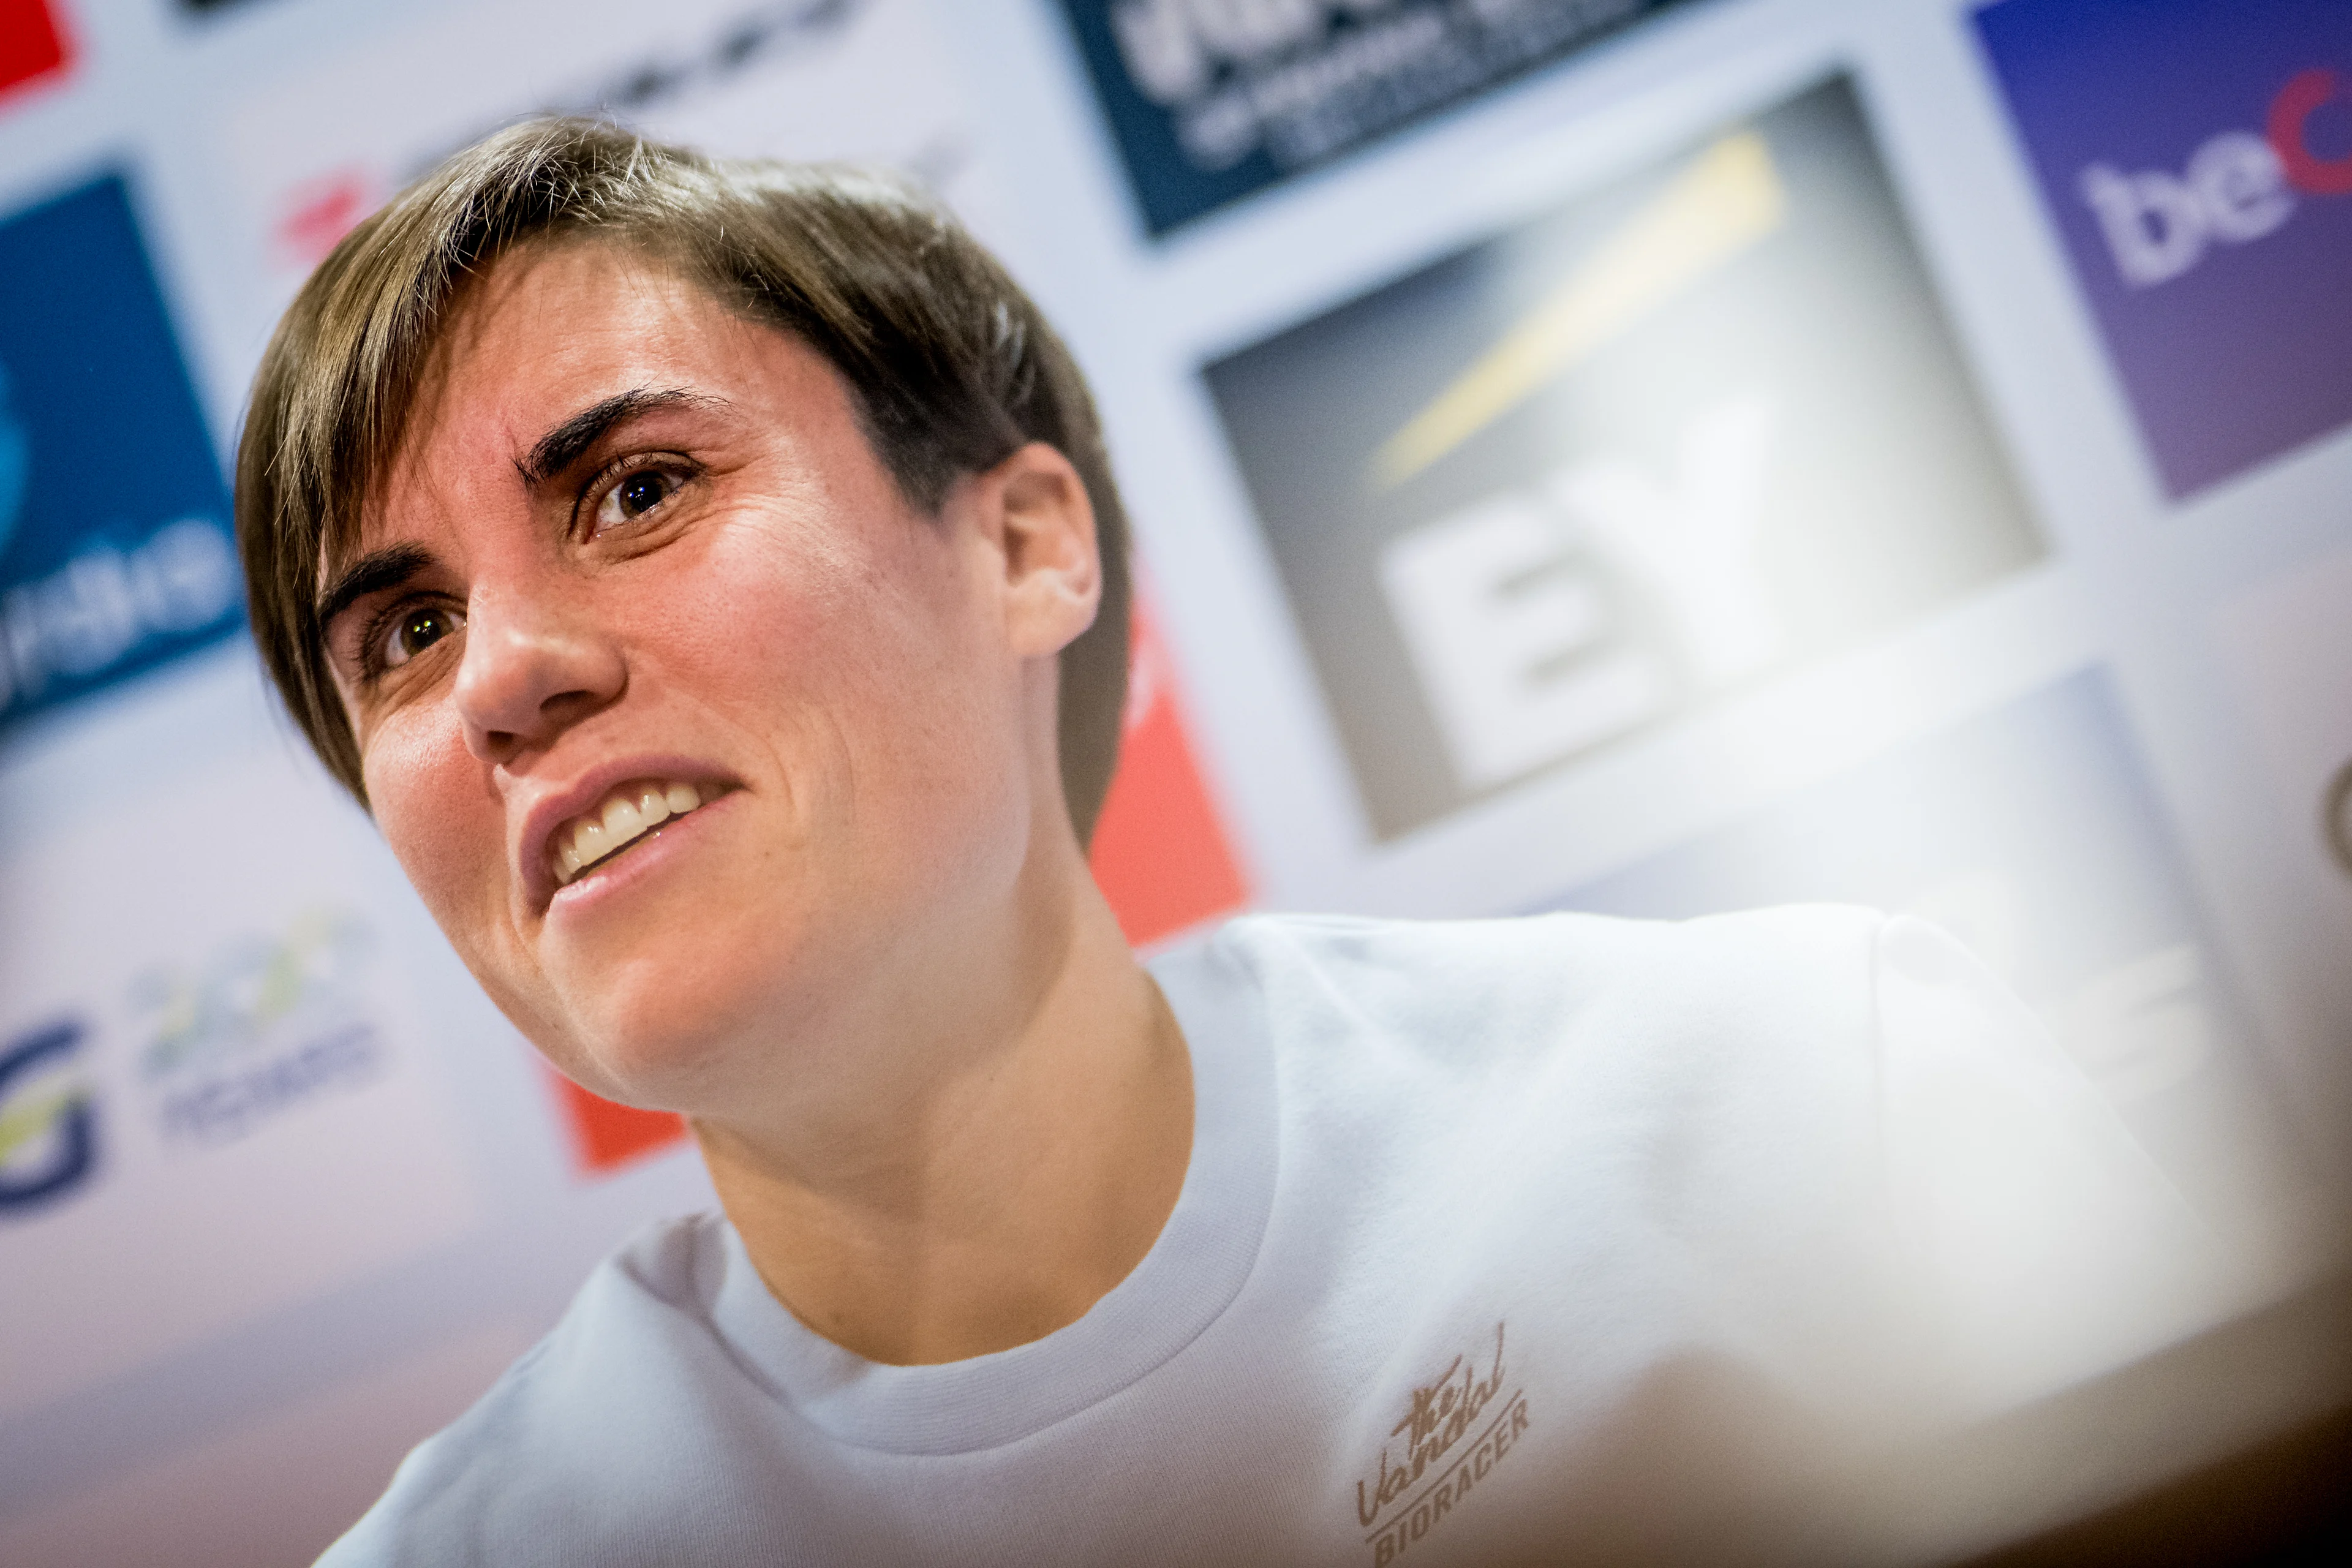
<point>554,452</point>
<point>371,573</point>
<point>563,446</point>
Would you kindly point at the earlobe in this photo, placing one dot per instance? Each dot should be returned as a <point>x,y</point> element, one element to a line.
<point>1052,566</point>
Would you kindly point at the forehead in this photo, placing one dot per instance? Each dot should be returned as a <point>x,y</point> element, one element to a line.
<point>549,307</point>
<point>550,330</point>
<point>547,329</point>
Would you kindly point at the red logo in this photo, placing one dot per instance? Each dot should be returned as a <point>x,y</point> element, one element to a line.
<point>31,44</point>
<point>606,1136</point>
<point>1159,851</point>
<point>2290,111</point>
<point>317,212</point>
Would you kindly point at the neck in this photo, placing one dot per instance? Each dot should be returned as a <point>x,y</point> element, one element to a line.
<point>1002,1194</point>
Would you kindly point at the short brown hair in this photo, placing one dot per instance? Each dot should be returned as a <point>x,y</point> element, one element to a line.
<point>950,365</point>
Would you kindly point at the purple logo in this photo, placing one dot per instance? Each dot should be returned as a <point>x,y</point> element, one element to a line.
<point>2196,155</point>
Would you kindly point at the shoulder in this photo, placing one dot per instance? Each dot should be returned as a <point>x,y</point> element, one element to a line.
<point>1566,946</point>
<point>1727,984</point>
<point>1703,1052</point>
<point>529,1472</point>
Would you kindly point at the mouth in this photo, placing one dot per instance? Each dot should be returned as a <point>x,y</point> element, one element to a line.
<point>627,816</point>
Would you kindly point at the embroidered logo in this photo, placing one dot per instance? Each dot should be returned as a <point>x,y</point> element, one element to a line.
<point>1455,1429</point>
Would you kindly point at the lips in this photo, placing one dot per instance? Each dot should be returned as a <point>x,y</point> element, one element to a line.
<point>581,843</point>
<point>625,801</point>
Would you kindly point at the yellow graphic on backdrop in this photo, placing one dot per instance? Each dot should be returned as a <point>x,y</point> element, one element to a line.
<point>1728,199</point>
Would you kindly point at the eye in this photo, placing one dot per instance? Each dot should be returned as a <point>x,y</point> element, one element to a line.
<point>634,494</point>
<point>414,630</point>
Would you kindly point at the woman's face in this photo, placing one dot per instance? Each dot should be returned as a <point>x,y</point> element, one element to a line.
<point>635,554</point>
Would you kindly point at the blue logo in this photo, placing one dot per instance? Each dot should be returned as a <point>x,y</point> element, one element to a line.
<point>1212,100</point>
<point>115,551</point>
<point>48,1125</point>
<point>16,464</point>
<point>2196,155</point>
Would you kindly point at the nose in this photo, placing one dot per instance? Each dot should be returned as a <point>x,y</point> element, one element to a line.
<point>529,672</point>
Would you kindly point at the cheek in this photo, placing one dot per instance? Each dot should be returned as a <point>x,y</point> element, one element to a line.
<point>861,661</point>
<point>433,807</point>
<point>860,630</point>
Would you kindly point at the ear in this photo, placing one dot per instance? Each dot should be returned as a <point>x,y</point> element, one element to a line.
<point>1035,506</point>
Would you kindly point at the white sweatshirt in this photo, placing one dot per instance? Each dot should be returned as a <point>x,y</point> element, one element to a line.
<point>1560,1238</point>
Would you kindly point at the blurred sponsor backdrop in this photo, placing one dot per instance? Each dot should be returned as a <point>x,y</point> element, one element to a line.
<point>1649,457</point>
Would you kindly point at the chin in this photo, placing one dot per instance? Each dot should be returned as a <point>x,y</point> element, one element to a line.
<point>674,1039</point>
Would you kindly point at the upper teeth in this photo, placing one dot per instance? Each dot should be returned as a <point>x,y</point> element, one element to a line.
<point>627,813</point>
